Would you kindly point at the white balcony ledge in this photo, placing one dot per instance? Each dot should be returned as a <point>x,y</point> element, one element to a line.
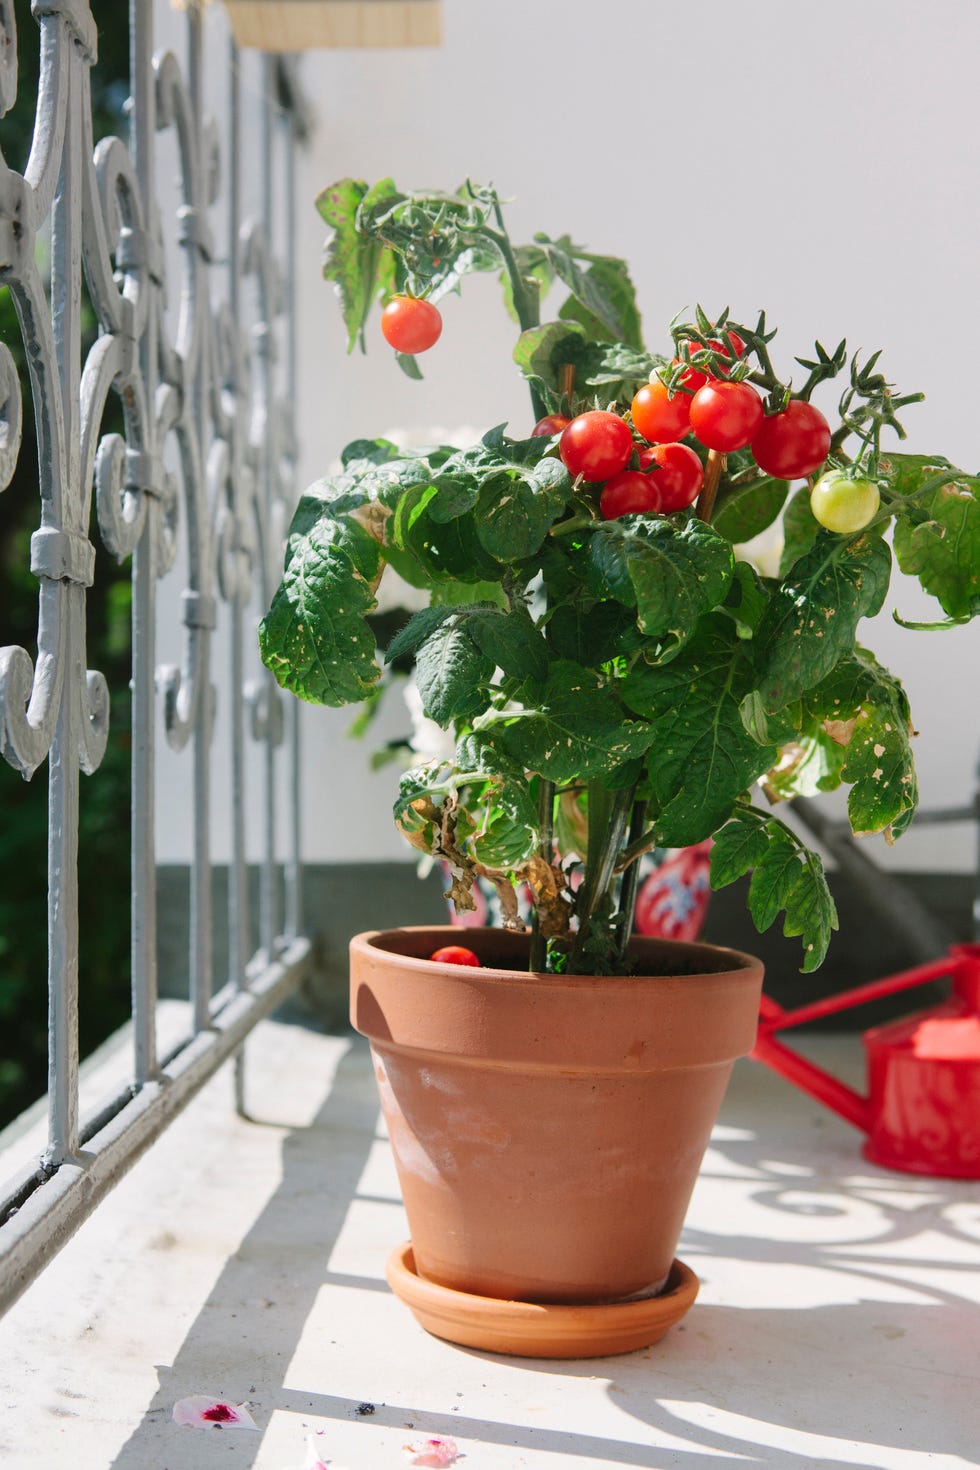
<point>836,1324</point>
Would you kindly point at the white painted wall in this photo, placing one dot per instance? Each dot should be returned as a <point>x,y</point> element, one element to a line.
<point>821,161</point>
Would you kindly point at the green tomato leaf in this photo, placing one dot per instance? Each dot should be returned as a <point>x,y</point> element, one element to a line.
<point>513,515</point>
<point>451,673</point>
<point>409,365</point>
<point>435,238</point>
<point>745,511</point>
<point>671,568</point>
<point>864,710</point>
<point>602,294</point>
<point>747,600</point>
<point>506,824</point>
<point>541,352</point>
<point>512,641</point>
<point>811,913</point>
<point>314,637</point>
<point>701,758</point>
<point>360,268</point>
<point>588,632</point>
<point>572,728</point>
<point>737,848</point>
<point>418,628</point>
<point>616,370</point>
<point>800,530</point>
<point>786,875</point>
<point>941,543</point>
<point>812,616</point>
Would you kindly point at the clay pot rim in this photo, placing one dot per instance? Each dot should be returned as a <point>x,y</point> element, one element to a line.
<point>733,962</point>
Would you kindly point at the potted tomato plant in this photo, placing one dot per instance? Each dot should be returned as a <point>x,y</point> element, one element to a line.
<point>616,678</point>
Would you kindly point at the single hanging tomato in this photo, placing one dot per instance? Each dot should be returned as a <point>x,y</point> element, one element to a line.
<point>455,954</point>
<point>725,415</point>
<point>552,423</point>
<point>794,443</point>
<point>844,505</point>
<point>596,445</point>
<point>678,477</point>
<point>411,325</point>
<point>659,417</point>
<point>629,493</point>
<point>694,378</point>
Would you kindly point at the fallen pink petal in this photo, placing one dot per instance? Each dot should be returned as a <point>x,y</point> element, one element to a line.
<point>202,1411</point>
<point>440,1450</point>
<point>313,1461</point>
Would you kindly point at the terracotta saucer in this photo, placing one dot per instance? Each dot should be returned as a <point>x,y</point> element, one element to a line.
<point>536,1330</point>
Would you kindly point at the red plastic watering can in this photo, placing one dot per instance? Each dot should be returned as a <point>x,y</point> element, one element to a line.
<point>922,1111</point>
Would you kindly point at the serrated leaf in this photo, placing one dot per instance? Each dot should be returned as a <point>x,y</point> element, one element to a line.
<point>513,516</point>
<point>866,708</point>
<point>702,757</point>
<point>314,637</point>
<point>602,293</point>
<point>811,913</point>
<point>418,628</point>
<point>512,641</point>
<point>785,876</point>
<point>777,872</point>
<point>451,673</point>
<point>811,619</point>
<point>747,510</point>
<point>673,569</point>
<point>360,268</point>
<point>943,551</point>
<point>572,728</point>
<point>737,848</point>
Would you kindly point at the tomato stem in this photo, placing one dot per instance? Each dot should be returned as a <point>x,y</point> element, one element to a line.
<point>546,840</point>
<point>713,472</point>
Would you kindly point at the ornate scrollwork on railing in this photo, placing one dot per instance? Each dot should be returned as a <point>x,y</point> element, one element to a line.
<point>198,468</point>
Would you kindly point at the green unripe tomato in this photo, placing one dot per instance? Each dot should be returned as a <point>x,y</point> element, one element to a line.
<point>843,505</point>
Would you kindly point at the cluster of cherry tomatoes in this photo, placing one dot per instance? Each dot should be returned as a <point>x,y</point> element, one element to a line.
<point>722,414</point>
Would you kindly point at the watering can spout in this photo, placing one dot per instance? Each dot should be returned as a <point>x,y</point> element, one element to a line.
<point>921,1113</point>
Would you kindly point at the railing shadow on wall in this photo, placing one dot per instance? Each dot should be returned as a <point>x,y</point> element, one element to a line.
<point>195,345</point>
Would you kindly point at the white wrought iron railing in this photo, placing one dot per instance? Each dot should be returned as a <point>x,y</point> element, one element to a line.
<point>202,468</point>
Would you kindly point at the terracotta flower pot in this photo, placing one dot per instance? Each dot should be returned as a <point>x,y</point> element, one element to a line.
<point>548,1130</point>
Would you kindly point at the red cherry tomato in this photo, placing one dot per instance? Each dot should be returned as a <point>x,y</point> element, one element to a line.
<point>695,378</point>
<point>410,325</point>
<point>658,417</point>
<point>455,954</point>
<point>596,445</point>
<point>678,477</point>
<point>552,423</point>
<point>794,443</point>
<point>630,493</point>
<point>726,415</point>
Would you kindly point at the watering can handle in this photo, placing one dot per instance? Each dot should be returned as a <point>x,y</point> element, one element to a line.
<point>806,1074</point>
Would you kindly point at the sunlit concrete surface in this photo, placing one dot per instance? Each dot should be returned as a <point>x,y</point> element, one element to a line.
<point>837,1323</point>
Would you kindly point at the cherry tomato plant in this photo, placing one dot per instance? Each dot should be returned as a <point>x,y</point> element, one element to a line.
<point>595,634</point>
